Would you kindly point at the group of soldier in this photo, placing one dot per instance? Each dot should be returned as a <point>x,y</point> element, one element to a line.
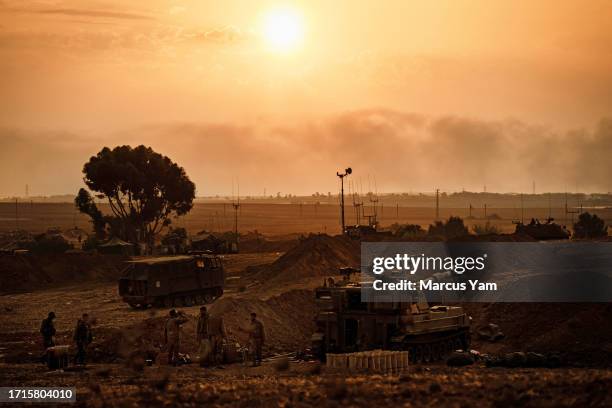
<point>82,336</point>
<point>210,336</point>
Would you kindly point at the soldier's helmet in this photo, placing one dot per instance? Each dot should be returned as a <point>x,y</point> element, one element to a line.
<point>51,315</point>
<point>172,313</point>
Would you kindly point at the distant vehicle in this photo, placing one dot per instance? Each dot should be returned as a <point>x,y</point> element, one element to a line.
<point>168,281</point>
<point>217,244</point>
<point>359,231</point>
<point>365,232</point>
<point>543,231</point>
<point>346,324</point>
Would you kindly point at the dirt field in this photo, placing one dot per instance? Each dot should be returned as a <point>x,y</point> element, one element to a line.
<point>301,385</point>
<point>277,219</point>
<point>279,288</point>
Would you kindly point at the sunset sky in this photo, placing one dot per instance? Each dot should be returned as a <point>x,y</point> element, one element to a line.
<point>417,94</point>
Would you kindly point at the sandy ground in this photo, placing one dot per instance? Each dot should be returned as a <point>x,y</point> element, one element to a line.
<point>279,219</point>
<point>304,385</point>
<point>287,309</point>
<point>23,312</point>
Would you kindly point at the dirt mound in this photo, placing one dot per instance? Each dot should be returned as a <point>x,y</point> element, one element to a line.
<point>515,237</point>
<point>20,273</point>
<point>579,332</point>
<point>316,255</point>
<point>262,244</point>
<point>288,320</point>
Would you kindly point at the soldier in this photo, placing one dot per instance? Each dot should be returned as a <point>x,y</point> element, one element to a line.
<point>203,319</point>
<point>217,334</point>
<point>82,338</point>
<point>257,337</point>
<point>47,330</point>
<point>172,335</point>
<point>203,335</point>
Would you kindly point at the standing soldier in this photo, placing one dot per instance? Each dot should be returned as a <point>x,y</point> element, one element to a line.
<point>47,329</point>
<point>172,335</point>
<point>217,334</point>
<point>257,337</point>
<point>203,335</point>
<point>82,338</point>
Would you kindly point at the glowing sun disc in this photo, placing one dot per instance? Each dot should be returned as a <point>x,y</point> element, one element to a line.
<point>282,30</point>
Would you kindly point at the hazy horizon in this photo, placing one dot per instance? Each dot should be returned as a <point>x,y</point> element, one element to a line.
<point>69,198</point>
<point>452,94</point>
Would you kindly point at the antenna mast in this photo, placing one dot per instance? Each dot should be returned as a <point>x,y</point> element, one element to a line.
<point>347,171</point>
<point>568,211</point>
<point>437,204</point>
<point>236,205</point>
<point>373,220</point>
<point>356,203</point>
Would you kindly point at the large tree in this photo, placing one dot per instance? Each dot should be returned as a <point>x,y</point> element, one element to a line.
<point>144,190</point>
<point>590,226</point>
<point>452,228</point>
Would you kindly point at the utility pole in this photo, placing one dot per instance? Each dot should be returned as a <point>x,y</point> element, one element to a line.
<point>347,171</point>
<point>236,206</point>
<point>568,211</point>
<point>522,210</point>
<point>16,214</point>
<point>549,206</point>
<point>357,205</point>
<point>437,204</point>
<point>373,219</point>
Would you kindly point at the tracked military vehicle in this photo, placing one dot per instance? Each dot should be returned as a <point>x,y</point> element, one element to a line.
<point>346,324</point>
<point>543,231</point>
<point>169,281</point>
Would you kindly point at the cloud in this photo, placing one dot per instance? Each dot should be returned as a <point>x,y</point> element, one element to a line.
<point>227,34</point>
<point>91,13</point>
<point>402,151</point>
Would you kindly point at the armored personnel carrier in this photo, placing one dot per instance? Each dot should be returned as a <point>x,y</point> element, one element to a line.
<point>169,281</point>
<point>543,231</point>
<point>346,324</point>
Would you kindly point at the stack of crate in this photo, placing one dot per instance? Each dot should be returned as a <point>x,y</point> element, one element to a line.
<point>378,361</point>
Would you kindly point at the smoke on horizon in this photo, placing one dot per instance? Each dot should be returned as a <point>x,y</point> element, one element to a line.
<point>393,150</point>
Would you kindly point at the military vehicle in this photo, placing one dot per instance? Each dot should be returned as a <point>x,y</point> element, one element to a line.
<point>543,231</point>
<point>359,231</point>
<point>346,324</point>
<point>167,281</point>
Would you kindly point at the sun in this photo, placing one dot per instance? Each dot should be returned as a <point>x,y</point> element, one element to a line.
<point>282,30</point>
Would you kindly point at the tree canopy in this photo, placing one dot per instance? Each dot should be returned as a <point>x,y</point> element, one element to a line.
<point>590,226</point>
<point>452,228</point>
<point>143,189</point>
